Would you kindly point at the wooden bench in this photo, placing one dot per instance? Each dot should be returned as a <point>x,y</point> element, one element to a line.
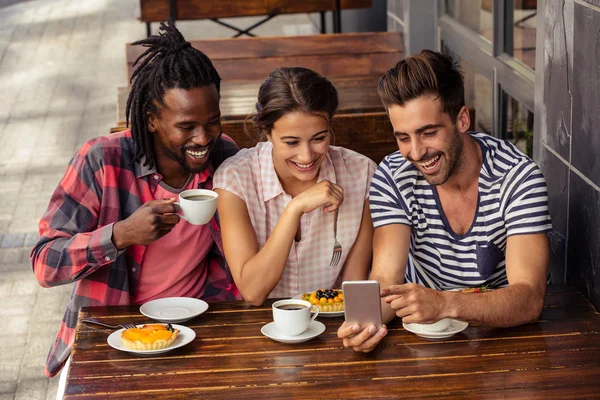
<point>159,10</point>
<point>250,59</point>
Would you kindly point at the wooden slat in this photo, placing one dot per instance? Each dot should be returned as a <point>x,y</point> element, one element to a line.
<point>266,53</point>
<point>158,10</point>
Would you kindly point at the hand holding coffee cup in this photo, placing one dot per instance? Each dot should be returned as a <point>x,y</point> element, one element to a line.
<point>197,206</point>
<point>292,317</point>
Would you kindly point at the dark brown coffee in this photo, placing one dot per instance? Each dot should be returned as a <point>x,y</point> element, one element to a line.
<point>199,197</point>
<point>293,306</point>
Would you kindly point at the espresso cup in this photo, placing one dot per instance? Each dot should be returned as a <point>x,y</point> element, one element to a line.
<point>292,317</point>
<point>438,326</point>
<point>197,206</point>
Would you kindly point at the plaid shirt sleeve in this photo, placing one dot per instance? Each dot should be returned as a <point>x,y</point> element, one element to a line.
<point>71,244</point>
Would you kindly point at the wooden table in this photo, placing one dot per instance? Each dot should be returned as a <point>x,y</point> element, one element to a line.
<point>556,358</point>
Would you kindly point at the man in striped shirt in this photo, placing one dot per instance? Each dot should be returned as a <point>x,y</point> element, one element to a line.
<point>112,226</point>
<point>452,210</point>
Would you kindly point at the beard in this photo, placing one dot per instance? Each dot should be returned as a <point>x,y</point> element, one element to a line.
<point>180,158</point>
<point>453,160</point>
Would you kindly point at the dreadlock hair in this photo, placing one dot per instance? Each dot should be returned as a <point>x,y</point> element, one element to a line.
<point>170,62</point>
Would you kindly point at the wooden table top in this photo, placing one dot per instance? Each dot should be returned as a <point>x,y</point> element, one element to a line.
<point>556,358</point>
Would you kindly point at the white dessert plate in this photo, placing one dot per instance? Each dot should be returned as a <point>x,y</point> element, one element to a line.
<point>315,328</point>
<point>185,336</point>
<point>322,313</point>
<point>455,327</point>
<point>174,309</point>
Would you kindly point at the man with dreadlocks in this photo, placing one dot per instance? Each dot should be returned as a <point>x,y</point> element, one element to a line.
<point>112,225</point>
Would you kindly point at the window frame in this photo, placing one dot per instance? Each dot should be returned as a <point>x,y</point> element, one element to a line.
<point>493,60</point>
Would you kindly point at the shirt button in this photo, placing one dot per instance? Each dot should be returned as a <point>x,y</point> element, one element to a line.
<point>133,269</point>
<point>107,258</point>
<point>156,177</point>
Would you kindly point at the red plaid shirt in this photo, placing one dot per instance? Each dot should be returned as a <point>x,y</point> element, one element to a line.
<point>104,184</point>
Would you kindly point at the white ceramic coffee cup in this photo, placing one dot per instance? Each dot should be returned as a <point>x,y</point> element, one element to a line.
<point>197,212</point>
<point>292,322</point>
<point>438,326</point>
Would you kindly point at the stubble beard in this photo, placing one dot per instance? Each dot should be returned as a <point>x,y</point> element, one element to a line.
<point>454,158</point>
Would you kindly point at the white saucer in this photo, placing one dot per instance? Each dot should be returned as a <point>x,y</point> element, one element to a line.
<point>185,336</point>
<point>174,309</point>
<point>315,328</point>
<point>455,327</point>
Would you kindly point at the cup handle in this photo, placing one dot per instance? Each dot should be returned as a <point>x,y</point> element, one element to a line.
<point>315,310</point>
<point>180,212</point>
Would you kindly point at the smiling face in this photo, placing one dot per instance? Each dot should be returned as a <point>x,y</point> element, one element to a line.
<point>428,138</point>
<point>300,142</point>
<point>186,129</point>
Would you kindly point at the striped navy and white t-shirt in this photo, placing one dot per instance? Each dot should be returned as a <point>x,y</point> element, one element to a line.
<point>512,200</point>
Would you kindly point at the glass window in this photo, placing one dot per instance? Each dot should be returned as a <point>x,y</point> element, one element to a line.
<point>523,31</point>
<point>476,15</point>
<point>395,14</point>
<point>518,125</point>
<point>478,93</point>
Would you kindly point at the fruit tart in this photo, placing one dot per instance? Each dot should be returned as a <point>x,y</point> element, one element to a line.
<point>328,300</point>
<point>481,289</point>
<point>149,337</point>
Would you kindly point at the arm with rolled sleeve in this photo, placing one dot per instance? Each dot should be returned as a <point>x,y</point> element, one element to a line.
<point>72,245</point>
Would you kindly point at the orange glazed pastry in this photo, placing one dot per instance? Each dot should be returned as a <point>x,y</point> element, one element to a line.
<point>149,337</point>
<point>328,300</point>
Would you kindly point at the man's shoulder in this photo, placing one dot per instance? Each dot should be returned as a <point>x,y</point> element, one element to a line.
<point>397,167</point>
<point>224,148</point>
<point>501,156</point>
<point>115,149</point>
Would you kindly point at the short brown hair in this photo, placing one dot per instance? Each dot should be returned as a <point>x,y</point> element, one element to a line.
<point>426,73</point>
<point>292,89</point>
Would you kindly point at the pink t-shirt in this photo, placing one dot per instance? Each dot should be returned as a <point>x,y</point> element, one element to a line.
<point>175,265</point>
<point>250,175</point>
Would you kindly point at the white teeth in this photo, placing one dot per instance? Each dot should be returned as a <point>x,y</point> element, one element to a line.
<point>197,154</point>
<point>429,164</point>
<point>304,166</point>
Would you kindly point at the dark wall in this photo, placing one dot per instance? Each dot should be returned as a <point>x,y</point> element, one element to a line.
<point>568,138</point>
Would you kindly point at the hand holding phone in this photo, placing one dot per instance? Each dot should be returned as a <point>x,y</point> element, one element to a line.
<point>362,303</point>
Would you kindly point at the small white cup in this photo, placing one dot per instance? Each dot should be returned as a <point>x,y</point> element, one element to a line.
<point>438,326</point>
<point>200,210</point>
<point>292,317</point>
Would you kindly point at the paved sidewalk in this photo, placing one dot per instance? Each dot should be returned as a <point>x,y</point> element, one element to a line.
<point>61,62</point>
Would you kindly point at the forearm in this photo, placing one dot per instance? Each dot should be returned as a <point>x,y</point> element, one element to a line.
<point>514,305</point>
<point>261,273</point>
<point>387,312</point>
<point>59,259</point>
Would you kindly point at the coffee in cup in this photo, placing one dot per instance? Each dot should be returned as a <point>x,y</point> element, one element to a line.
<point>292,317</point>
<point>197,206</point>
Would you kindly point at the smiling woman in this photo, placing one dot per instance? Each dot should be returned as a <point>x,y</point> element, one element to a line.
<point>281,194</point>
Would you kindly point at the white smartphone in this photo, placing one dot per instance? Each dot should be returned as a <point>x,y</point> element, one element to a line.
<point>362,303</point>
